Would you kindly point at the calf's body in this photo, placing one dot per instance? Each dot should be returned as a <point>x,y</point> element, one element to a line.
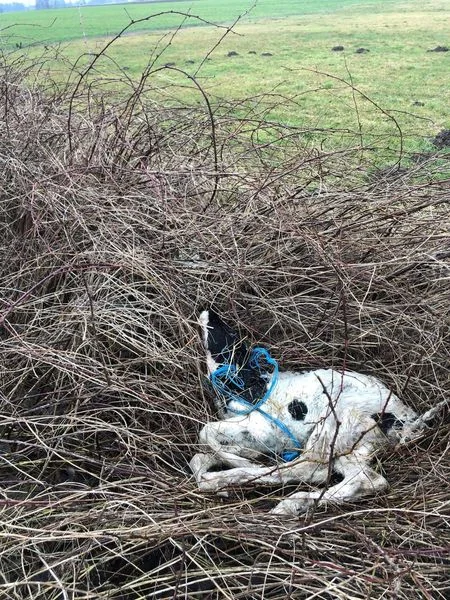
<point>339,420</point>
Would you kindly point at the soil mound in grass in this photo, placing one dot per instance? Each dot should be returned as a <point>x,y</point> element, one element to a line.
<point>121,218</point>
<point>442,139</point>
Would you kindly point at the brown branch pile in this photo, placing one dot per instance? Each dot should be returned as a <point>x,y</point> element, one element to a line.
<point>121,219</point>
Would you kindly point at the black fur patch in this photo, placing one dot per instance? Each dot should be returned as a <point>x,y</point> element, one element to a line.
<point>224,343</point>
<point>298,410</point>
<point>255,385</point>
<point>386,421</point>
<point>336,478</point>
<point>227,348</point>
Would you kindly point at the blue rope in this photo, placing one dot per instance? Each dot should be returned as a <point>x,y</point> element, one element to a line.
<point>228,374</point>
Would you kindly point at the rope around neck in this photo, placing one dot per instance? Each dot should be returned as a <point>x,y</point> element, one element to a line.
<point>228,374</point>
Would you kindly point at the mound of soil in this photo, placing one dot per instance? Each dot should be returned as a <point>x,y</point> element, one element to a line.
<point>267,54</point>
<point>362,51</point>
<point>337,48</point>
<point>252,51</point>
<point>442,140</point>
<point>389,173</point>
<point>232,53</point>
<point>420,157</point>
<point>439,49</point>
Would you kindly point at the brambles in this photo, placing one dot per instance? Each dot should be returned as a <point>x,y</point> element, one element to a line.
<point>120,217</point>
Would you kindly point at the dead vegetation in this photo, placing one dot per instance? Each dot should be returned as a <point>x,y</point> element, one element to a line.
<point>122,218</point>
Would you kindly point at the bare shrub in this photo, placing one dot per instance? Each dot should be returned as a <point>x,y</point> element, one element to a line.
<point>121,217</point>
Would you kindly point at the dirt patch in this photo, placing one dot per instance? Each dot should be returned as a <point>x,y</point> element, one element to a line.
<point>420,157</point>
<point>418,103</point>
<point>442,140</point>
<point>389,173</point>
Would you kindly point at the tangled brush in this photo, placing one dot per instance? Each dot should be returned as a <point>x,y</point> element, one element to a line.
<point>120,220</point>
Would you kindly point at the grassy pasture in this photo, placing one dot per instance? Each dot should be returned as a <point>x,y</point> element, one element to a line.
<point>397,74</point>
<point>61,25</point>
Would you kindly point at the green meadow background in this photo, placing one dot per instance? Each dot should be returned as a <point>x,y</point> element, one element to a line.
<point>283,50</point>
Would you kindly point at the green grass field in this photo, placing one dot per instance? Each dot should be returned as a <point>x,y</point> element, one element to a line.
<point>97,21</point>
<point>397,78</point>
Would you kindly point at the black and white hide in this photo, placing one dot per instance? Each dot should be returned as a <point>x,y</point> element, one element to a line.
<point>330,421</point>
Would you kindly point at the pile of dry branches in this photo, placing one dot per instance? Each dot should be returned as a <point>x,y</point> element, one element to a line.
<point>120,220</point>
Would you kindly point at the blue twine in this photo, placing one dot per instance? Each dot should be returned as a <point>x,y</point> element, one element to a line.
<point>228,374</point>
